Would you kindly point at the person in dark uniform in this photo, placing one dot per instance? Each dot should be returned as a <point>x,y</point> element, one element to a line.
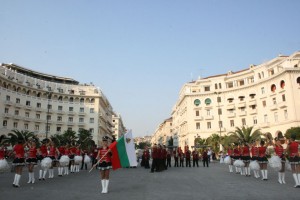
<point>169,158</point>
<point>164,157</point>
<point>154,166</point>
<point>175,153</point>
<point>146,158</point>
<point>205,158</point>
<point>181,158</point>
<point>188,157</point>
<point>195,158</point>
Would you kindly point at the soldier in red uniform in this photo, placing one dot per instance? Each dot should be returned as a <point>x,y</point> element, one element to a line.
<point>146,158</point>
<point>195,155</point>
<point>181,158</point>
<point>262,159</point>
<point>161,163</point>
<point>154,165</point>
<point>104,154</point>
<point>294,159</point>
<point>31,160</point>
<point>19,161</point>
<point>169,156</point>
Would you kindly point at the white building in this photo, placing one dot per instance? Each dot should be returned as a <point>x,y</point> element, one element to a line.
<point>265,96</point>
<point>119,128</point>
<point>47,104</point>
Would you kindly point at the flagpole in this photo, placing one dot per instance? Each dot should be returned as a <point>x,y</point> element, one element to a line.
<point>99,161</point>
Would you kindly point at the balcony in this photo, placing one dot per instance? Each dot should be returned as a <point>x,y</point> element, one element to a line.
<point>18,105</point>
<point>61,112</point>
<point>39,109</point>
<point>81,113</point>
<point>7,115</point>
<point>209,117</point>
<point>231,115</point>
<point>60,122</point>
<point>8,103</point>
<point>28,119</point>
<point>242,105</point>
<point>265,125</point>
<point>242,113</point>
<point>282,104</point>
<point>18,117</point>
<point>71,113</point>
<point>81,123</point>
<point>69,123</point>
<point>230,106</point>
<point>252,103</point>
<point>39,120</point>
<point>198,118</point>
<point>274,107</point>
<point>253,111</point>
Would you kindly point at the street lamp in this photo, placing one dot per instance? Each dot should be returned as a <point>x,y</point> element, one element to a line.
<point>220,128</point>
<point>49,94</point>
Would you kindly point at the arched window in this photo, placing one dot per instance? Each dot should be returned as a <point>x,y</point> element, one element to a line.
<point>259,76</point>
<point>38,94</point>
<point>197,102</point>
<point>207,101</point>
<point>298,80</point>
<point>60,98</point>
<point>282,84</point>
<point>82,100</point>
<point>273,88</point>
<point>71,99</point>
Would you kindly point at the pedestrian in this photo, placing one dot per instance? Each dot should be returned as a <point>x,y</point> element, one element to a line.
<point>169,158</point>
<point>209,154</point>
<point>205,158</point>
<point>294,159</point>
<point>181,158</point>
<point>84,154</point>
<point>19,161</point>
<point>31,160</point>
<point>187,157</point>
<point>175,154</point>
<point>104,154</point>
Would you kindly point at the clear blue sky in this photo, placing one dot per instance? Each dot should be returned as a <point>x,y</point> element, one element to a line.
<point>141,52</point>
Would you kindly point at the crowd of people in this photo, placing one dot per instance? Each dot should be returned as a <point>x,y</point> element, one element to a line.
<point>246,157</point>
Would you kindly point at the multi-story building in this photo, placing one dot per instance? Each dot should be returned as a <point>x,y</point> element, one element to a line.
<point>163,133</point>
<point>265,96</point>
<point>119,128</point>
<point>47,104</point>
<point>144,139</point>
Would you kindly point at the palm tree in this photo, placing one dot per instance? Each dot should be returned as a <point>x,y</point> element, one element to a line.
<point>245,135</point>
<point>85,139</point>
<point>70,137</point>
<point>214,141</point>
<point>17,135</point>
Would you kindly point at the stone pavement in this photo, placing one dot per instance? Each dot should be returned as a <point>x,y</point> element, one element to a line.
<point>214,182</point>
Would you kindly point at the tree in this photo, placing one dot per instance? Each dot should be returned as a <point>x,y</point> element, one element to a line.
<point>245,135</point>
<point>295,130</point>
<point>70,137</point>
<point>214,141</point>
<point>85,139</point>
<point>16,135</point>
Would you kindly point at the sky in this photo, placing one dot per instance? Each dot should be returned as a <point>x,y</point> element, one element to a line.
<point>141,52</point>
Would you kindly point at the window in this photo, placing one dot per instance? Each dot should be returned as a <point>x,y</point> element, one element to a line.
<point>298,80</point>
<point>206,88</point>
<point>39,105</point>
<point>6,110</point>
<point>243,121</point>
<point>265,118</point>
<point>91,120</point>
<point>92,110</point>
<point>208,125</point>
<point>197,125</point>
<point>282,84</point>
<point>71,109</point>
<point>220,111</point>
<point>208,112</point>
<point>271,72</point>
<point>285,114</point>
<point>27,114</point>
<point>242,82</point>
<point>231,123</point>
<point>262,90</point>
<point>197,102</point>
<point>273,88</point>
<point>81,110</point>
<point>18,100</point>
<point>59,118</point>
<point>71,99</point>
<point>48,117</point>
<point>7,98</point>
<point>276,117</point>
<point>82,100</point>
<point>216,86</point>
<point>60,108</point>
<point>207,101</point>
<point>264,103</point>
<point>255,120</point>
<point>38,116</point>
<point>4,123</point>
<point>60,98</point>
<point>27,103</point>
<point>49,106</point>
<point>91,130</point>
<point>48,128</point>
<point>71,91</point>
<point>219,99</point>
<point>17,112</point>
<point>197,113</point>
<point>58,129</point>
<point>81,120</point>
<point>26,126</point>
<point>70,119</point>
<point>274,101</point>
<point>230,84</point>
<point>220,85</point>
<point>283,97</point>
<point>37,127</point>
<point>69,128</point>
<point>15,124</point>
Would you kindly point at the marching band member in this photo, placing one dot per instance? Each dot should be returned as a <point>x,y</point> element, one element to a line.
<point>31,160</point>
<point>53,156</point>
<point>294,159</point>
<point>104,166</point>
<point>43,154</point>
<point>263,161</point>
<point>19,161</point>
<point>254,154</point>
<point>61,151</point>
<point>246,158</point>
<point>279,151</point>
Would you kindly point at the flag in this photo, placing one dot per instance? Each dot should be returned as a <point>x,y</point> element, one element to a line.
<point>123,152</point>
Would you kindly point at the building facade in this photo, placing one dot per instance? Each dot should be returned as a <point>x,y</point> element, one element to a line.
<point>163,133</point>
<point>47,104</point>
<point>265,96</point>
<point>119,128</point>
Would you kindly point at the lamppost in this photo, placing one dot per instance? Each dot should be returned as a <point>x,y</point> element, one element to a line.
<point>49,94</point>
<point>220,127</point>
